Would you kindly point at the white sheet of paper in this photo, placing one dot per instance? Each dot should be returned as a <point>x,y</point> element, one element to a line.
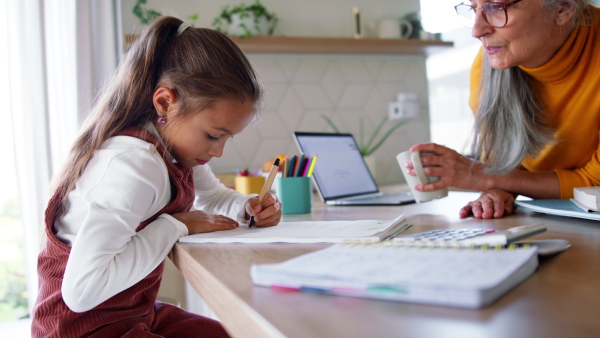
<point>298,232</point>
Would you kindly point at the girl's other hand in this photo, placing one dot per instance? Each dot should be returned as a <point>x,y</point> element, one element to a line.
<point>199,221</point>
<point>268,214</point>
<point>493,203</point>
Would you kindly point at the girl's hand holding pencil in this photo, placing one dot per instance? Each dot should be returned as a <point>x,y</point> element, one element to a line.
<point>267,213</point>
<point>272,213</point>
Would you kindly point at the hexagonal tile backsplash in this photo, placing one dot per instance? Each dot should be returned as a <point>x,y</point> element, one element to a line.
<point>299,89</point>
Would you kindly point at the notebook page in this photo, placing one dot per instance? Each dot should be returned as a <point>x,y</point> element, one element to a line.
<point>422,267</point>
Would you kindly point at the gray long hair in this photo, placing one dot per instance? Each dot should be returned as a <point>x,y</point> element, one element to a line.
<point>511,121</point>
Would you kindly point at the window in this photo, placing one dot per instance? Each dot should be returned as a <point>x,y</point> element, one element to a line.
<point>13,284</point>
<point>46,72</point>
<point>450,115</point>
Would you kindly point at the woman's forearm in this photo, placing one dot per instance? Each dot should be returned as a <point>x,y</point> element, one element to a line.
<point>534,184</point>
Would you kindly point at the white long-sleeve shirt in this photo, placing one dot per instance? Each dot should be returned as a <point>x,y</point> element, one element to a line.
<point>125,183</point>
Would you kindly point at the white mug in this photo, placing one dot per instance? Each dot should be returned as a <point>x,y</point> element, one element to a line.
<point>394,29</point>
<point>420,196</point>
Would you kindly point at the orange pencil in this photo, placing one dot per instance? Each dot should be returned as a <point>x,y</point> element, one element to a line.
<point>296,164</point>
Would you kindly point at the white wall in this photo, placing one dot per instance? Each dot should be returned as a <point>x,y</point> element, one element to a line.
<point>299,89</point>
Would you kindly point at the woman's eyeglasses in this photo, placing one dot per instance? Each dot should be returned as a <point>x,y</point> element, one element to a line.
<point>494,13</point>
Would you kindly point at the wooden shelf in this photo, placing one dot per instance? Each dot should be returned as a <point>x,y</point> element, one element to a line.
<point>348,46</point>
<point>311,45</point>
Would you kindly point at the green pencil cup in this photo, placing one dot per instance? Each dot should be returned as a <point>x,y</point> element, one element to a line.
<point>295,194</point>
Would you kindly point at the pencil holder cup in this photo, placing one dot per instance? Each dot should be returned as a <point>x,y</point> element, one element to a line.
<point>295,194</point>
<point>249,184</point>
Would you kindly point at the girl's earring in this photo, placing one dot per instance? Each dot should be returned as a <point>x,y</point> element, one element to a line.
<point>161,120</point>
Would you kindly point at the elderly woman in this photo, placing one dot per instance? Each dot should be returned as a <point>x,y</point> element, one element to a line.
<point>535,91</point>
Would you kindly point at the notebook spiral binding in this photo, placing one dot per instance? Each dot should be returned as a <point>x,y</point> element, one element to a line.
<point>421,245</point>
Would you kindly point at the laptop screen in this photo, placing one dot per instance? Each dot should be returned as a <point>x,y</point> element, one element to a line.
<point>340,170</point>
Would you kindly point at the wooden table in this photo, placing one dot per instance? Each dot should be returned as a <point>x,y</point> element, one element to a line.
<point>562,299</point>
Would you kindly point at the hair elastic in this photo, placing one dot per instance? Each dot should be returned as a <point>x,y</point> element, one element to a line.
<point>182,28</point>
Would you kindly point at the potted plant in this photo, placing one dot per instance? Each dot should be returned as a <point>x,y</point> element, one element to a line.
<point>147,15</point>
<point>246,20</point>
<point>369,147</point>
<point>144,15</point>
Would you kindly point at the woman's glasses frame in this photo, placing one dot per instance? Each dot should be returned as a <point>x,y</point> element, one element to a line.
<point>493,9</point>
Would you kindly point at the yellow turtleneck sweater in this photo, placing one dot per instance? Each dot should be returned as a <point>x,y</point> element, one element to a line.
<point>569,86</point>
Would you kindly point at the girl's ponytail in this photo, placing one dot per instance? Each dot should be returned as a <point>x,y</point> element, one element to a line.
<point>200,65</point>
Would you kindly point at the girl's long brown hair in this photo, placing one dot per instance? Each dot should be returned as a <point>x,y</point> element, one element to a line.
<point>200,65</point>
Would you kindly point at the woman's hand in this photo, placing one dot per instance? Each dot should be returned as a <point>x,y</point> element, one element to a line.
<point>198,221</point>
<point>267,214</point>
<point>493,203</point>
<point>454,169</point>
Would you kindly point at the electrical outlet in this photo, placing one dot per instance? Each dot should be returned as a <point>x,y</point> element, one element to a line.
<point>395,111</point>
<point>406,107</point>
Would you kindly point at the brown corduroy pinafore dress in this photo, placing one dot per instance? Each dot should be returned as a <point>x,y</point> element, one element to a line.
<point>133,312</point>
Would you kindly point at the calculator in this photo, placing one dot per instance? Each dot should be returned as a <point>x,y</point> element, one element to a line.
<point>466,237</point>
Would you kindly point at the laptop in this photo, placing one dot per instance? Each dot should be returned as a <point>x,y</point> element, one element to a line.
<point>341,174</point>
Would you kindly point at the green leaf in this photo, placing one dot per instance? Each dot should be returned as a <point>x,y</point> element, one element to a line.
<point>361,134</point>
<point>367,149</point>
<point>145,16</point>
<point>375,133</point>
<point>152,14</point>
<point>331,124</point>
<point>385,137</point>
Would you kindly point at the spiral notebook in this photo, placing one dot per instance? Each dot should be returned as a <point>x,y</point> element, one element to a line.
<point>460,277</point>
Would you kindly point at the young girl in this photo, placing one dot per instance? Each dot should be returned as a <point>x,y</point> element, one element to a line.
<point>124,196</point>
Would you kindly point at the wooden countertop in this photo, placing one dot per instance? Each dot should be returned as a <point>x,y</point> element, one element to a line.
<point>562,299</point>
